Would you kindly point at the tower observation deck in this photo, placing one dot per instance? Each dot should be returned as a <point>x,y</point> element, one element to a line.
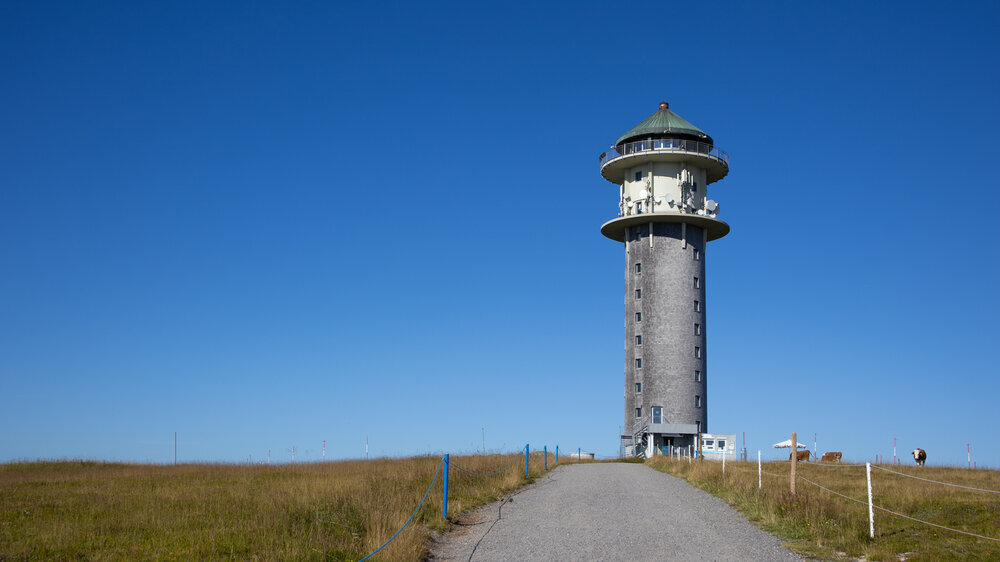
<point>663,167</point>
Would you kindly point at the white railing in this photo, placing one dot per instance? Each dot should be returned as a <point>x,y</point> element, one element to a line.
<point>664,145</point>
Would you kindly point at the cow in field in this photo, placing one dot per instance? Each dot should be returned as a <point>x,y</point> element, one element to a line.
<point>799,455</point>
<point>831,457</point>
<point>920,456</point>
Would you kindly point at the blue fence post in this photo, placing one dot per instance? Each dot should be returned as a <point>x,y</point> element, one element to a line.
<point>557,454</point>
<point>444,500</point>
<point>545,450</point>
<point>579,459</point>
<point>526,460</point>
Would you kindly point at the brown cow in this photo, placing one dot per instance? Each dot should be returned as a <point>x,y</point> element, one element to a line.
<point>799,455</point>
<point>920,456</point>
<point>831,457</point>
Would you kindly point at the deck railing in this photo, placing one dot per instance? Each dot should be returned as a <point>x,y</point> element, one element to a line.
<point>664,145</point>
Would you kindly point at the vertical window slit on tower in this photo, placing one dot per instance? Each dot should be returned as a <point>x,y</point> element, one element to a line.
<point>638,294</point>
<point>638,268</point>
<point>638,339</point>
<point>696,254</point>
<point>638,317</point>
<point>697,306</point>
<point>697,401</point>
<point>697,329</point>
<point>697,352</point>
<point>697,376</point>
<point>638,362</point>
<point>697,283</point>
<point>638,388</point>
<point>638,412</point>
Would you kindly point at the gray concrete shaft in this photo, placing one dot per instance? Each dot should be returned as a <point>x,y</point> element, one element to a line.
<point>664,290</point>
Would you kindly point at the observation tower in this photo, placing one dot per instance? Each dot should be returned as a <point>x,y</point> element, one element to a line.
<point>663,167</point>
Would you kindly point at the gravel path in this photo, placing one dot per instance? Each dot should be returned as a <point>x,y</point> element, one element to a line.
<point>619,511</point>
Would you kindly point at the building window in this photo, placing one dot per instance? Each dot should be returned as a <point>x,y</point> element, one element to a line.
<point>638,339</point>
<point>638,388</point>
<point>697,306</point>
<point>722,445</point>
<point>657,414</point>
<point>638,207</point>
<point>638,268</point>
<point>638,176</point>
<point>697,329</point>
<point>697,426</point>
<point>638,294</point>
<point>638,412</point>
<point>638,362</point>
<point>697,283</point>
<point>697,352</point>
<point>697,401</point>
<point>697,376</point>
<point>638,317</point>
<point>696,254</point>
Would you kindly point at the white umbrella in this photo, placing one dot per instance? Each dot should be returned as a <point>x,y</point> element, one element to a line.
<point>787,444</point>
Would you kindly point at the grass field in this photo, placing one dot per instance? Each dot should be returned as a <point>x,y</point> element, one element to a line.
<point>319,511</point>
<point>820,524</point>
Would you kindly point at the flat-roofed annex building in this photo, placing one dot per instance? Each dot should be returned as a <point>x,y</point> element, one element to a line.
<point>663,168</point>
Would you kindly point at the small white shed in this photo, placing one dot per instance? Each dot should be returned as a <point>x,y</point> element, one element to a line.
<point>714,446</point>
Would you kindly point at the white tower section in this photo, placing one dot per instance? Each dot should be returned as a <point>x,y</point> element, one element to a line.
<point>663,168</point>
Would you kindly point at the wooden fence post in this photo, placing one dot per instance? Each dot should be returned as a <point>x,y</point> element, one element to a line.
<point>795,455</point>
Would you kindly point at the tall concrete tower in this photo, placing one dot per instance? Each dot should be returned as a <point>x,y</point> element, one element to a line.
<point>663,167</point>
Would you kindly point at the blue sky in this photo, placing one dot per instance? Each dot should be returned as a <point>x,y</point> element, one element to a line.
<point>271,224</point>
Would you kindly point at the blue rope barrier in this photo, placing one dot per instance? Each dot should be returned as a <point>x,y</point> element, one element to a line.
<point>436,472</point>
<point>490,474</point>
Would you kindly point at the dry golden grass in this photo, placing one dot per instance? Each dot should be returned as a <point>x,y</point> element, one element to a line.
<point>319,511</point>
<point>818,523</point>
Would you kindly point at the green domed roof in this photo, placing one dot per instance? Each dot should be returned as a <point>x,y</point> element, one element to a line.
<point>663,123</point>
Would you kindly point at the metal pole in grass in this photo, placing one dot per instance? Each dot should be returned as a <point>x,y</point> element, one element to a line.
<point>579,457</point>
<point>760,483</point>
<point>723,462</point>
<point>444,494</point>
<point>871,510</point>
<point>526,450</point>
<point>545,450</point>
<point>557,454</point>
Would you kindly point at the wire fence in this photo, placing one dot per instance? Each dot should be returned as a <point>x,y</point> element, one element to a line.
<point>936,481</point>
<point>501,471</point>
<point>410,518</point>
<point>446,463</point>
<point>870,502</point>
